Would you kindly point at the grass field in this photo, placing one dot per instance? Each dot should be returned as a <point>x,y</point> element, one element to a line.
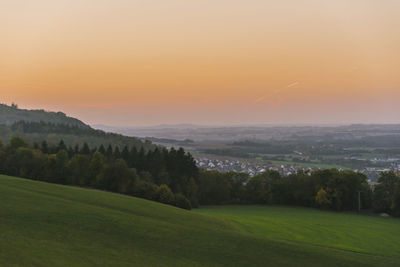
<point>52,225</point>
<point>352,232</point>
<point>306,164</point>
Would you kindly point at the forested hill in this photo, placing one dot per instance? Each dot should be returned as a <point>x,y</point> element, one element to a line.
<point>36,126</point>
<point>12,114</point>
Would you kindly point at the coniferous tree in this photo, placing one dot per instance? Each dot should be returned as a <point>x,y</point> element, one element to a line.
<point>133,159</point>
<point>61,146</point>
<point>76,149</point>
<point>96,165</point>
<point>44,147</point>
<point>141,160</point>
<point>125,154</point>
<point>71,152</point>
<point>102,150</point>
<point>117,153</point>
<point>85,149</point>
<point>109,152</point>
<point>61,170</point>
<point>35,145</point>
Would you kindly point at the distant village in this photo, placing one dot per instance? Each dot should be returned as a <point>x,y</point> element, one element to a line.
<point>246,167</point>
<point>252,169</point>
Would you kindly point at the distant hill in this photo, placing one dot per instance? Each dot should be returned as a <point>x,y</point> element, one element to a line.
<point>12,114</point>
<point>39,125</point>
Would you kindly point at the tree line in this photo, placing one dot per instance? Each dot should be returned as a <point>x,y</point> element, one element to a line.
<point>71,134</point>
<point>167,176</point>
<point>327,189</point>
<point>171,176</point>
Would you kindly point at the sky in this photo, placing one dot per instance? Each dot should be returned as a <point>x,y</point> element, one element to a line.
<point>135,63</point>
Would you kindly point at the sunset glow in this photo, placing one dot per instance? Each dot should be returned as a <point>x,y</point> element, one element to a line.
<point>205,62</point>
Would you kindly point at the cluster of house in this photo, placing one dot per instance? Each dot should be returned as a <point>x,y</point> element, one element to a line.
<point>373,174</point>
<point>226,165</point>
<point>246,167</point>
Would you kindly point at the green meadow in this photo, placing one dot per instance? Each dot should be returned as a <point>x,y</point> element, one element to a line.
<point>45,224</point>
<point>350,232</point>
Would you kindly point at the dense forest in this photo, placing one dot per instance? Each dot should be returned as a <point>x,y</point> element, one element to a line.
<point>171,177</point>
<point>70,134</point>
<point>160,174</point>
<point>38,125</point>
<point>12,114</point>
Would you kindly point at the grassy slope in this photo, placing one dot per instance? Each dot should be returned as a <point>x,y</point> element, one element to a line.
<point>353,232</point>
<point>53,225</point>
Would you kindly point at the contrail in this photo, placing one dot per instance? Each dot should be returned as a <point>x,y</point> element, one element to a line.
<point>292,84</point>
<point>261,98</point>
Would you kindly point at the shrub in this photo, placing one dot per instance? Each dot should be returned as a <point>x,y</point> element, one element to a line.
<point>182,202</point>
<point>165,195</point>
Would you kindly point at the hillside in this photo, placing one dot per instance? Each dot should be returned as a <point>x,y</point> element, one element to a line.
<point>39,125</point>
<point>52,225</point>
<point>12,114</point>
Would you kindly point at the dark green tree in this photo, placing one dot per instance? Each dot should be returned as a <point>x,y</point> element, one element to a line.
<point>85,149</point>
<point>385,191</point>
<point>102,150</point>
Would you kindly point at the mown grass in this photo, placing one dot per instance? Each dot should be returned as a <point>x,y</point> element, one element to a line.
<point>52,225</point>
<point>352,232</point>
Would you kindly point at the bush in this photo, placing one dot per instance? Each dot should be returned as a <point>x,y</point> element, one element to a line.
<point>182,202</point>
<point>165,195</point>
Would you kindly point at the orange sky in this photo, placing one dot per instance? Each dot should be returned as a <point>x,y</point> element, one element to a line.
<point>208,62</point>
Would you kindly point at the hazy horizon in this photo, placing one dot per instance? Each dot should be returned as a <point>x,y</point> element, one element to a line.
<point>140,63</point>
<point>99,122</point>
<point>272,125</point>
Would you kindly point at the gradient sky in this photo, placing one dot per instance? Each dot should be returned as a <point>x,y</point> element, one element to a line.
<point>206,62</point>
